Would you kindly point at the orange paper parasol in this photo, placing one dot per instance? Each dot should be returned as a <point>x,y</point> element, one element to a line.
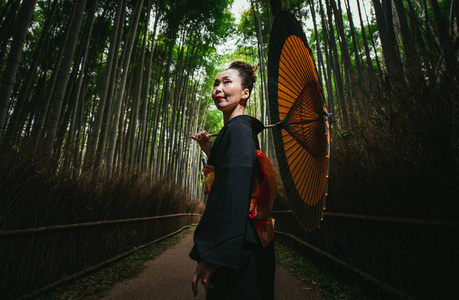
<point>297,106</point>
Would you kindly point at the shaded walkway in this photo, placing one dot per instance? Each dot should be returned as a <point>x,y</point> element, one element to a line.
<point>169,277</point>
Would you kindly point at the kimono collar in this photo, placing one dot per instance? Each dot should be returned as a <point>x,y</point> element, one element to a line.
<point>255,124</point>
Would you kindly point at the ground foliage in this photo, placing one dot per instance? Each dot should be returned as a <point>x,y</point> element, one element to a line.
<point>315,279</point>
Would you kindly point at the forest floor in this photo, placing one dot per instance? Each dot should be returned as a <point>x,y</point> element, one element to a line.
<point>169,277</point>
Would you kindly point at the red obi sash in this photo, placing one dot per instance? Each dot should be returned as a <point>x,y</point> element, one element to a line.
<point>264,192</point>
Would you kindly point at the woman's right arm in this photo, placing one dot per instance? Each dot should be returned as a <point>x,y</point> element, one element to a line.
<point>204,142</point>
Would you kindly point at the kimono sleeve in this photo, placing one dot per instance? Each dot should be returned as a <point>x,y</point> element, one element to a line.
<point>220,234</point>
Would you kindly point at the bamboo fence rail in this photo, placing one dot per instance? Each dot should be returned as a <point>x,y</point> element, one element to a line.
<point>388,219</point>
<point>37,230</point>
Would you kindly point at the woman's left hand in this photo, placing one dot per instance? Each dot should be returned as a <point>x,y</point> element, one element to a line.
<point>203,272</point>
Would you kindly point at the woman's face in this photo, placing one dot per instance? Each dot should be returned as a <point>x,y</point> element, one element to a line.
<point>228,91</point>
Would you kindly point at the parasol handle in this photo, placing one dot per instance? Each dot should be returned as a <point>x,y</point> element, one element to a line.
<point>266,127</point>
<point>270,126</point>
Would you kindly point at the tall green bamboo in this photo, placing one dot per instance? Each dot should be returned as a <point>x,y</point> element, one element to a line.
<point>371,81</point>
<point>62,79</point>
<point>347,60</point>
<point>108,71</point>
<point>387,37</point>
<point>14,55</point>
<point>21,108</point>
<point>335,65</point>
<point>122,86</point>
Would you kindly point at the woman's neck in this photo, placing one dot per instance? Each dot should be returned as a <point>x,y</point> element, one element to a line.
<point>239,110</point>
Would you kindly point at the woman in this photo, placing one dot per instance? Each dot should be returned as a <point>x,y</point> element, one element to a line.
<point>232,262</point>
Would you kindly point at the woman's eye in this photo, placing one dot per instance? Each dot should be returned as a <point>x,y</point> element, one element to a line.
<point>226,81</point>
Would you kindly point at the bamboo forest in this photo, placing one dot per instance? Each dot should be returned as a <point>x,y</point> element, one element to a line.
<point>98,100</point>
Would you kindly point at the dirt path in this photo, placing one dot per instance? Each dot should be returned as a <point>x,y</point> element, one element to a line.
<point>169,277</point>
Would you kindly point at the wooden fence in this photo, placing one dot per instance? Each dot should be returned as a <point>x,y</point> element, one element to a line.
<point>387,257</point>
<point>33,260</point>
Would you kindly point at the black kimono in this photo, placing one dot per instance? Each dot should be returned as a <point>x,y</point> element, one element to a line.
<point>225,235</point>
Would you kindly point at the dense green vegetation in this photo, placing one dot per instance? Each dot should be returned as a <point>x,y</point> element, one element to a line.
<point>97,94</point>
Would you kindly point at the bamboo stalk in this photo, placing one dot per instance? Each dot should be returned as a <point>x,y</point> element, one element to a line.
<point>387,219</point>
<point>98,266</point>
<point>367,277</point>
<point>21,232</point>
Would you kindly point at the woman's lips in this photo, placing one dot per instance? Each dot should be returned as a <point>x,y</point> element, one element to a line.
<point>219,99</point>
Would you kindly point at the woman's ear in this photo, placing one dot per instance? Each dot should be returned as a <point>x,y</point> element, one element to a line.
<point>245,95</point>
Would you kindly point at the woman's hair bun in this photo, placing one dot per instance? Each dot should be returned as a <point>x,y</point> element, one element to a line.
<point>246,73</point>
